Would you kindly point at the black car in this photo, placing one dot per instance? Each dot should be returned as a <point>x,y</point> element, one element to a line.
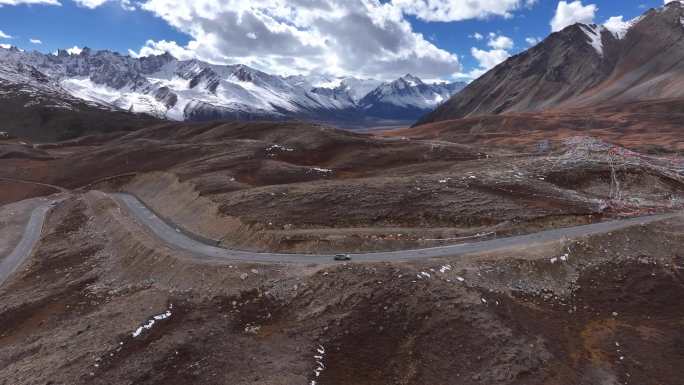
<point>342,257</point>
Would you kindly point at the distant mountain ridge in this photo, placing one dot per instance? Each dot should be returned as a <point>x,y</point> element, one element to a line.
<point>35,106</point>
<point>165,87</point>
<point>583,66</point>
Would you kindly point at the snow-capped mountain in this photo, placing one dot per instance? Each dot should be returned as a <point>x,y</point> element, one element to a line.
<point>583,66</point>
<point>406,97</point>
<point>34,105</point>
<point>165,87</point>
<point>355,88</point>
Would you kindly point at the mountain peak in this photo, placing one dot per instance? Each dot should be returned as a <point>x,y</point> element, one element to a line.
<point>637,60</point>
<point>410,80</point>
<point>162,86</point>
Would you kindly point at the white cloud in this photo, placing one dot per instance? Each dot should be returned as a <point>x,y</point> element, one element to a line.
<point>5,46</point>
<point>500,42</point>
<point>36,2</point>
<point>488,59</point>
<point>618,26</point>
<point>152,47</point>
<point>457,10</point>
<point>477,36</point>
<point>533,40</point>
<point>90,3</point>
<point>571,13</point>
<point>75,50</point>
<point>35,41</point>
<point>356,37</point>
<point>127,5</point>
<point>4,35</point>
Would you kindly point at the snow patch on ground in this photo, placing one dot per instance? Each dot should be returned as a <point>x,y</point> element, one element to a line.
<point>562,258</point>
<point>423,275</point>
<point>320,366</point>
<point>150,323</point>
<point>277,147</point>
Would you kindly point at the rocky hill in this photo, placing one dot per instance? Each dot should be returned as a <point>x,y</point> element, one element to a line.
<point>583,66</point>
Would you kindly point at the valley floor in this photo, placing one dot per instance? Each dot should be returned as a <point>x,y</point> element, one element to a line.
<point>101,299</point>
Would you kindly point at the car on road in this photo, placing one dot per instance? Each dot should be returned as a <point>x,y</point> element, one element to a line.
<point>342,257</point>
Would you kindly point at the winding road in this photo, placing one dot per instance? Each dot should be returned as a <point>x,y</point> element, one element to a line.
<point>28,242</point>
<point>175,238</point>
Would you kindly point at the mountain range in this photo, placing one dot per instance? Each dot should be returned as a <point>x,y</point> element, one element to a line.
<point>164,87</point>
<point>583,67</point>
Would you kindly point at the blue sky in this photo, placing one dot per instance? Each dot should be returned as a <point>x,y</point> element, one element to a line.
<point>530,22</point>
<point>315,42</point>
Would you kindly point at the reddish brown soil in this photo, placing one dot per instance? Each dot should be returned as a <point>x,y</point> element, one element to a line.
<point>646,126</point>
<point>604,316</point>
<point>14,191</point>
<point>302,187</point>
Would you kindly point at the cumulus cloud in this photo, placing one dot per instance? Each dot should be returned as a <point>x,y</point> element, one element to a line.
<point>571,13</point>
<point>488,59</point>
<point>90,3</point>
<point>455,10</point>
<point>4,35</point>
<point>75,50</point>
<point>5,46</point>
<point>477,36</point>
<point>500,42</point>
<point>19,2</point>
<point>128,5</point>
<point>533,40</point>
<point>152,47</point>
<point>357,37</point>
<point>35,41</point>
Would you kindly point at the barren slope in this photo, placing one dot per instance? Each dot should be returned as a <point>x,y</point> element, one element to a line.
<point>306,188</point>
<point>582,66</point>
<point>101,303</point>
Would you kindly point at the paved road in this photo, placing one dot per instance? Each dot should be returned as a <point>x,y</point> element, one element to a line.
<point>27,243</point>
<point>177,239</point>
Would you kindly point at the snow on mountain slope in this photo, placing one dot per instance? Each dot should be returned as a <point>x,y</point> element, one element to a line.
<point>410,91</point>
<point>168,88</point>
<point>17,78</point>
<point>407,96</point>
<point>35,106</point>
<point>583,66</point>
<point>594,33</point>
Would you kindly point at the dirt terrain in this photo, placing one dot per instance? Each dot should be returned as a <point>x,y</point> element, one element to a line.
<point>296,187</point>
<point>91,292</point>
<point>103,301</point>
<point>605,309</point>
<point>653,127</point>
